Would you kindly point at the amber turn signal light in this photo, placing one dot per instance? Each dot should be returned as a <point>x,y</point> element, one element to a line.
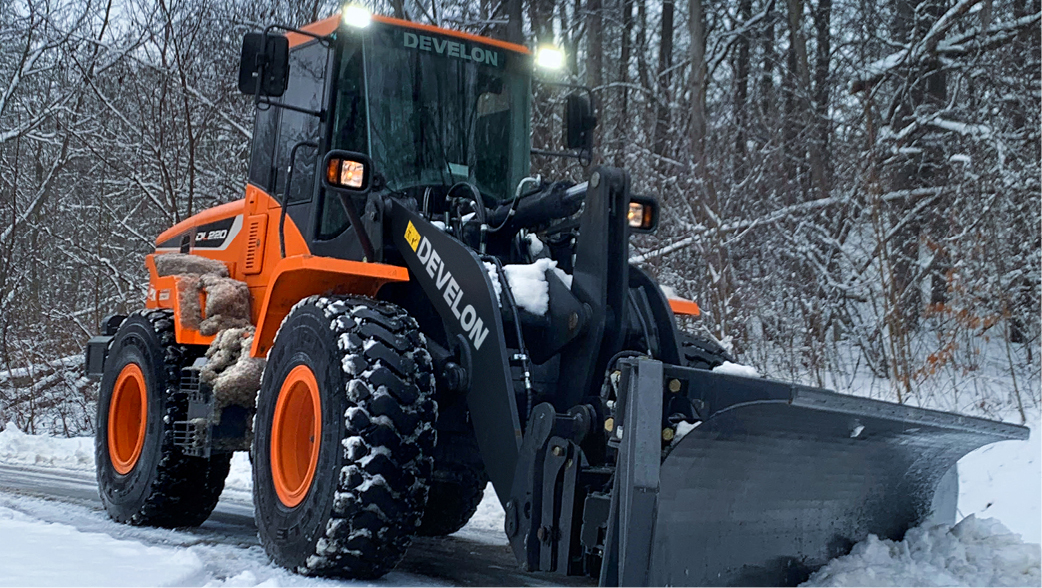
<point>642,216</point>
<point>345,173</point>
<point>346,170</point>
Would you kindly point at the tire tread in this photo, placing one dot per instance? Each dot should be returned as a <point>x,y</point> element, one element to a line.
<point>382,483</point>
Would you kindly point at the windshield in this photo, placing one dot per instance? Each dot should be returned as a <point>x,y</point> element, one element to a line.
<point>443,110</point>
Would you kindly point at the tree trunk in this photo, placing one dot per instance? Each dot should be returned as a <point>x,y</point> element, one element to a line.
<point>768,58</point>
<point>595,63</point>
<point>642,44</point>
<point>515,27</point>
<point>822,86</point>
<point>662,85</point>
<point>624,78</point>
<point>540,13</point>
<point>594,44</point>
<point>697,132</point>
<point>805,110</point>
<point>920,163</point>
<point>741,92</point>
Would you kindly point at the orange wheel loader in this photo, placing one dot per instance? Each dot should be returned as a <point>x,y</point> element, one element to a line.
<point>396,314</point>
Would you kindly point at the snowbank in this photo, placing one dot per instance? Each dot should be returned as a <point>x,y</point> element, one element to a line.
<point>975,552</point>
<point>37,553</point>
<point>17,447</point>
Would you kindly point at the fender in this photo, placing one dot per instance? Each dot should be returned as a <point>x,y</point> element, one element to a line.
<point>661,313</point>
<point>292,279</point>
<point>300,276</point>
<point>460,289</point>
<point>163,292</point>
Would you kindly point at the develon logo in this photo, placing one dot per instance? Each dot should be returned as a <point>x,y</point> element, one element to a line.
<point>468,318</point>
<point>451,48</point>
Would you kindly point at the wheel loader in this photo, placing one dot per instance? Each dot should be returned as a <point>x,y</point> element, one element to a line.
<point>396,314</point>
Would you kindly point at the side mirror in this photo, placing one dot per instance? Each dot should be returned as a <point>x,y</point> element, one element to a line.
<point>578,122</point>
<point>347,171</point>
<point>264,65</point>
<point>643,214</point>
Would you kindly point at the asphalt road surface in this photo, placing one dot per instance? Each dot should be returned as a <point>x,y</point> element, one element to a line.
<point>463,559</point>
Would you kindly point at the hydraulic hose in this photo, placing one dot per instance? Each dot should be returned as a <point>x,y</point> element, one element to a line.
<point>557,200</point>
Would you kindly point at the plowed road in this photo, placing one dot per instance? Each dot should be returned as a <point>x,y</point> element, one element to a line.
<point>475,557</point>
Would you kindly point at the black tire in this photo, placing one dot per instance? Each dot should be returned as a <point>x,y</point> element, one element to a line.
<point>372,376</point>
<point>702,353</point>
<point>164,487</point>
<point>457,487</point>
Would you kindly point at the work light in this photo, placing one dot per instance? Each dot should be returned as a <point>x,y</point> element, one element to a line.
<point>549,57</point>
<point>356,16</point>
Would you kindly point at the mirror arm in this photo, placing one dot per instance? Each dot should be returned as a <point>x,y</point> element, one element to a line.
<point>321,114</point>
<point>324,40</point>
<point>583,155</point>
<point>356,222</point>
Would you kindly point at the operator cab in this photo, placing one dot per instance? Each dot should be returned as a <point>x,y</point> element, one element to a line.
<point>432,109</point>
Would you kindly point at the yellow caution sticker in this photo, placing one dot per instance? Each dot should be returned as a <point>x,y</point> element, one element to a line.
<point>412,236</point>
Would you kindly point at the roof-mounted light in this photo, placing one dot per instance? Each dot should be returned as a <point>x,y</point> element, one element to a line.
<point>356,16</point>
<point>549,57</point>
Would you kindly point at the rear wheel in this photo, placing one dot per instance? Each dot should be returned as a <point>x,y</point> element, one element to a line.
<point>342,450</point>
<point>701,352</point>
<point>457,487</point>
<point>143,478</point>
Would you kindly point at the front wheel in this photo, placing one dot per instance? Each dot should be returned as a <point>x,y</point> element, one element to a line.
<point>344,438</point>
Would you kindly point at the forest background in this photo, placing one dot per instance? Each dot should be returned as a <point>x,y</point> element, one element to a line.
<point>850,189</point>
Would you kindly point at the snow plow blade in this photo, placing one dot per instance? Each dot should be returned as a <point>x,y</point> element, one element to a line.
<point>776,479</point>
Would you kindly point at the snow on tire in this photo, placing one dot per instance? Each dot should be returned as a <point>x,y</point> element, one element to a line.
<point>143,478</point>
<point>343,438</point>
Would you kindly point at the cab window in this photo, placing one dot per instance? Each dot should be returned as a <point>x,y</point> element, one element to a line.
<point>350,132</point>
<point>307,67</point>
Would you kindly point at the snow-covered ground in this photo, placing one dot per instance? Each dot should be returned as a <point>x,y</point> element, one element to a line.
<point>47,543</point>
<point>37,553</point>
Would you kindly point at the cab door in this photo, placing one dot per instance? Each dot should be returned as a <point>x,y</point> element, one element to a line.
<point>288,144</point>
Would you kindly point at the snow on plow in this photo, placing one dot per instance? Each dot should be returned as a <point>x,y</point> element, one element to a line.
<point>773,481</point>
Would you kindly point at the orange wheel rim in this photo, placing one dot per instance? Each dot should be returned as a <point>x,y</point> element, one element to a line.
<point>295,436</point>
<point>128,415</point>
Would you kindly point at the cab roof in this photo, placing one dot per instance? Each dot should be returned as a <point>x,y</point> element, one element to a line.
<point>326,26</point>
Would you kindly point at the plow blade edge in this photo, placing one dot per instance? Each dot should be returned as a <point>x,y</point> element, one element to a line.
<point>778,479</point>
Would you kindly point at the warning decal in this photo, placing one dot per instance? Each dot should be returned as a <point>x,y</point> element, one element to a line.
<point>412,236</point>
